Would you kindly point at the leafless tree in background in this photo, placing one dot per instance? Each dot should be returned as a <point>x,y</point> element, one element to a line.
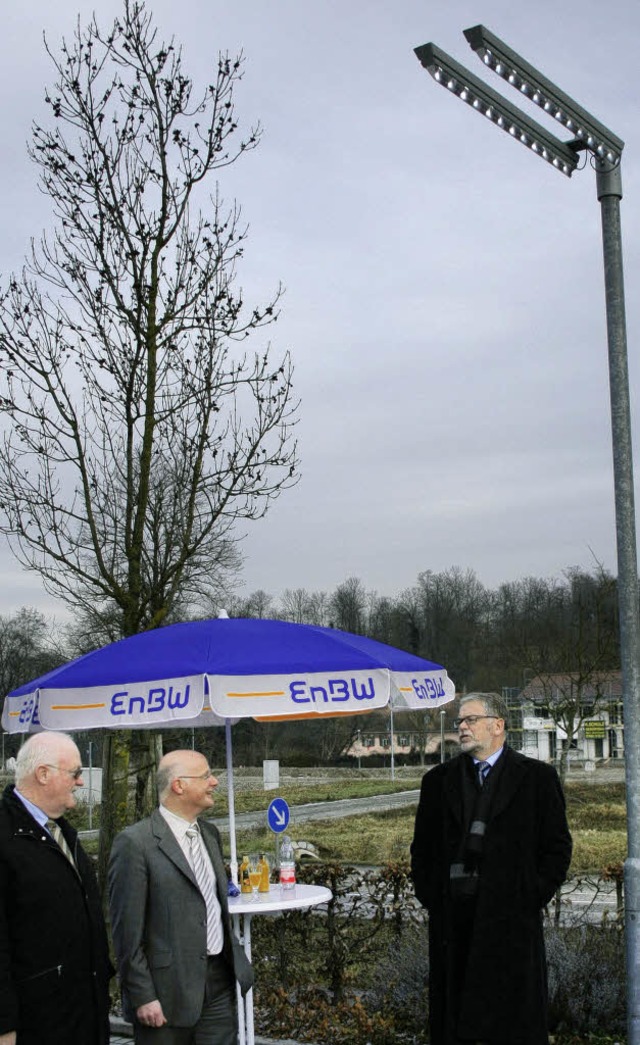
<point>138,428</point>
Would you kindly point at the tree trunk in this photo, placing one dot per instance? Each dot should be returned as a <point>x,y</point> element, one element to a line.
<point>563,766</point>
<point>115,785</point>
<point>130,759</point>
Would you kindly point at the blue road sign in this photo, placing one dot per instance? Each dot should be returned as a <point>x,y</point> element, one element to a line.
<point>278,815</point>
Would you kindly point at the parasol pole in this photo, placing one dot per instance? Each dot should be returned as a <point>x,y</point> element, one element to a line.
<point>231,800</point>
<point>223,615</point>
<point>393,759</point>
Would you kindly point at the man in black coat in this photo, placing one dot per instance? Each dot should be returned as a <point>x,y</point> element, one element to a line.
<point>54,962</point>
<point>491,846</point>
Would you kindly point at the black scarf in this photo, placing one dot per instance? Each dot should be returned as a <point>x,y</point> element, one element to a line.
<point>464,873</point>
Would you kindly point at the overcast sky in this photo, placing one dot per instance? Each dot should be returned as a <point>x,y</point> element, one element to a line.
<point>444,287</point>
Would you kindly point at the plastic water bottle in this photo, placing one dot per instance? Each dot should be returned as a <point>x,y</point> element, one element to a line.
<point>287,864</point>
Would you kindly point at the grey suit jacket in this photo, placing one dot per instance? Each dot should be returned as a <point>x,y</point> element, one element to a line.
<point>158,921</point>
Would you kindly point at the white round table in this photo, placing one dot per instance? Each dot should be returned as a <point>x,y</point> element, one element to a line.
<point>275,901</point>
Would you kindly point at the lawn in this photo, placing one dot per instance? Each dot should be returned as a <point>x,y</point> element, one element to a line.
<point>596,813</point>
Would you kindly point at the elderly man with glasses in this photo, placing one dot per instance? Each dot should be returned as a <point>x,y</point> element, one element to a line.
<point>491,847</point>
<point>177,956</point>
<point>54,962</point>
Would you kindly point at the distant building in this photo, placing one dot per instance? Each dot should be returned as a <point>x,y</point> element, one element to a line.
<point>409,741</point>
<point>536,719</point>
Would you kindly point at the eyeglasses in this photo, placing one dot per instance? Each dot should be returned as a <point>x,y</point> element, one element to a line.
<point>75,773</point>
<point>196,776</point>
<point>470,720</point>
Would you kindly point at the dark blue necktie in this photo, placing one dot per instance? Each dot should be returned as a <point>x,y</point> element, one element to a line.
<point>483,768</point>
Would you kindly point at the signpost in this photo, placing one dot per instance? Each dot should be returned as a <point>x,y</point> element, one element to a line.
<point>278,819</point>
<point>278,815</point>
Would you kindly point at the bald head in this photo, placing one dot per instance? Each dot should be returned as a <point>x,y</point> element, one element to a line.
<point>185,783</point>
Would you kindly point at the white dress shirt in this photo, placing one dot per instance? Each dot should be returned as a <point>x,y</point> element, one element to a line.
<point>179,827</point>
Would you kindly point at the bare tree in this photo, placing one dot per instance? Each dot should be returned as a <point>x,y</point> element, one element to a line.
<point>296,606</point>
<point>256,605</point>
<point>566,634</point>
<point>139,429</point>
<point>348,606</point>
<point>27,648</point>
<point>445,620</point>
<point>304,607</point>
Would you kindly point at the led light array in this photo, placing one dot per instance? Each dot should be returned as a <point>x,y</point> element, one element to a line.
<point>532,84</point>
<point>447,72</point>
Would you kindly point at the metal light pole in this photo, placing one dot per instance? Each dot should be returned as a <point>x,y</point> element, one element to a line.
<point>604,149</point>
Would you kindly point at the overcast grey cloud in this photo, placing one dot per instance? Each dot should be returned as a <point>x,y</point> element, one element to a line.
<point>444,288</point>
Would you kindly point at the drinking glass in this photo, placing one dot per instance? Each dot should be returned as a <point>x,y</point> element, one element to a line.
<point>255,873</point>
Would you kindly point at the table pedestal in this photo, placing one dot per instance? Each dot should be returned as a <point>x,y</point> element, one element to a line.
<point>275,901</point>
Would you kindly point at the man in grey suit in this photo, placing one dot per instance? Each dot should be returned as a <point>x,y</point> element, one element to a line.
<point>177,956</point>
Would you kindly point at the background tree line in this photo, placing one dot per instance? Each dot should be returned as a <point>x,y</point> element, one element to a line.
<point>487,638</point>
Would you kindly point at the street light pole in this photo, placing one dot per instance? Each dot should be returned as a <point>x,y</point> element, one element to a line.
<point>604,148</point>
<point>609,188</point>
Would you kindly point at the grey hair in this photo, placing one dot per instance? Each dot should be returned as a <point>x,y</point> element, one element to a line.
<point>164,778</point>
<point>492,703</point>
<point>36,751</point>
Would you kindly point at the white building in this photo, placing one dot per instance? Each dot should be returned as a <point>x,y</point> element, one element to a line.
<point>551,706</point>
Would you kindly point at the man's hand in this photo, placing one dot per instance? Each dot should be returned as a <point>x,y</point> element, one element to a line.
<point>9,1038</point>
<point>150,1014</point>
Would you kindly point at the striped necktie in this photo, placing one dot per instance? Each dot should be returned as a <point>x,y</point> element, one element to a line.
<point>483,768</point>
<point>206,885</point>
<point>58,837</point>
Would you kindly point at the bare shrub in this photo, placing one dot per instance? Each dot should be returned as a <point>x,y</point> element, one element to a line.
<point>587,982</point>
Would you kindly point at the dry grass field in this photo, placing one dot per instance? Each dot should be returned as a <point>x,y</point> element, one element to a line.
<point>596,812</point>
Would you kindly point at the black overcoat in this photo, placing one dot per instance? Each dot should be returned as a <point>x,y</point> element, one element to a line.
<point>54,961</point>
<point>525,858</point>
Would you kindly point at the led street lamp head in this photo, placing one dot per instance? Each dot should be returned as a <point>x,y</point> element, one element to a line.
<point>446,71</point>
<point>588,133</point>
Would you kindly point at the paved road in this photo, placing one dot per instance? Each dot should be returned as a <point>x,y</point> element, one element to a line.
<point>315,811</point>
<point>327,810</point>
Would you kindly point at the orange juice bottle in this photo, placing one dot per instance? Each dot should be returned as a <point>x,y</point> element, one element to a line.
<point>264,877</point>
<point>245,881</point>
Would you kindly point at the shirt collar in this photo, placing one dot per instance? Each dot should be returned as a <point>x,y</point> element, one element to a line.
<point>37,813</point>
<point>491,759</point>
<point>178,824</point>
